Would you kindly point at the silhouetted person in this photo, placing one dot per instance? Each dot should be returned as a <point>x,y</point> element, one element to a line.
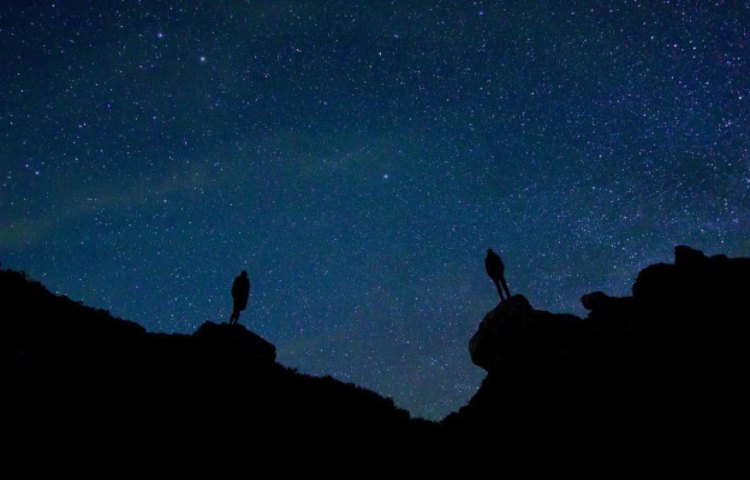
<point>496,270</point>
<point>240,292</point>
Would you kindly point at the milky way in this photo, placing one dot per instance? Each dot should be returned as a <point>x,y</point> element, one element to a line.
<point>358,158</point>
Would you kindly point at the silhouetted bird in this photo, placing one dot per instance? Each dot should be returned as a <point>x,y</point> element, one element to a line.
<point>240,292</point>
<point>496,271</point>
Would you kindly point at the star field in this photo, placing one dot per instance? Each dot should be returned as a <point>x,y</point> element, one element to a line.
<point>358,158</point>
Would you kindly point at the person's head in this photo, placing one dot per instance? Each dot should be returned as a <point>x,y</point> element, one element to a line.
<point>244,273</point>
<point>489,250</point>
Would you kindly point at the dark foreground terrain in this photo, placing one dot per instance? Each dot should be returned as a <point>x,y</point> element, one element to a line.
<point>651,384</point>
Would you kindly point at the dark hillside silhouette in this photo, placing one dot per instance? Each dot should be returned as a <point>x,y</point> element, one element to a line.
<point>650,384</point>
<point>644,382</point>
<point>220,392</point>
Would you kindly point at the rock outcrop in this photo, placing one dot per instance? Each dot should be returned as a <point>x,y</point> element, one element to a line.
<point>650,379</point>
<point>237,340</point>
<point>514,329</point>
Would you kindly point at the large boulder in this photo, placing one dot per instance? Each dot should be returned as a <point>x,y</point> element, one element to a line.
<point>236,340</point>
<point>514,329</point>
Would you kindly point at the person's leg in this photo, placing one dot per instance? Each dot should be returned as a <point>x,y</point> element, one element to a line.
<point>499,291</point>
<point>505,287</point>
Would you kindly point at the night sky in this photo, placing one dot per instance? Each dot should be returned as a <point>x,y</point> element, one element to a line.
<point>358,158</point>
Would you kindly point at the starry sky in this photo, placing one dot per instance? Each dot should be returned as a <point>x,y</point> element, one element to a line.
<point>358,158</point>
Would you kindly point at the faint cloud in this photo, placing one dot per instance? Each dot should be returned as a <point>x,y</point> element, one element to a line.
<point>24,232</point>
